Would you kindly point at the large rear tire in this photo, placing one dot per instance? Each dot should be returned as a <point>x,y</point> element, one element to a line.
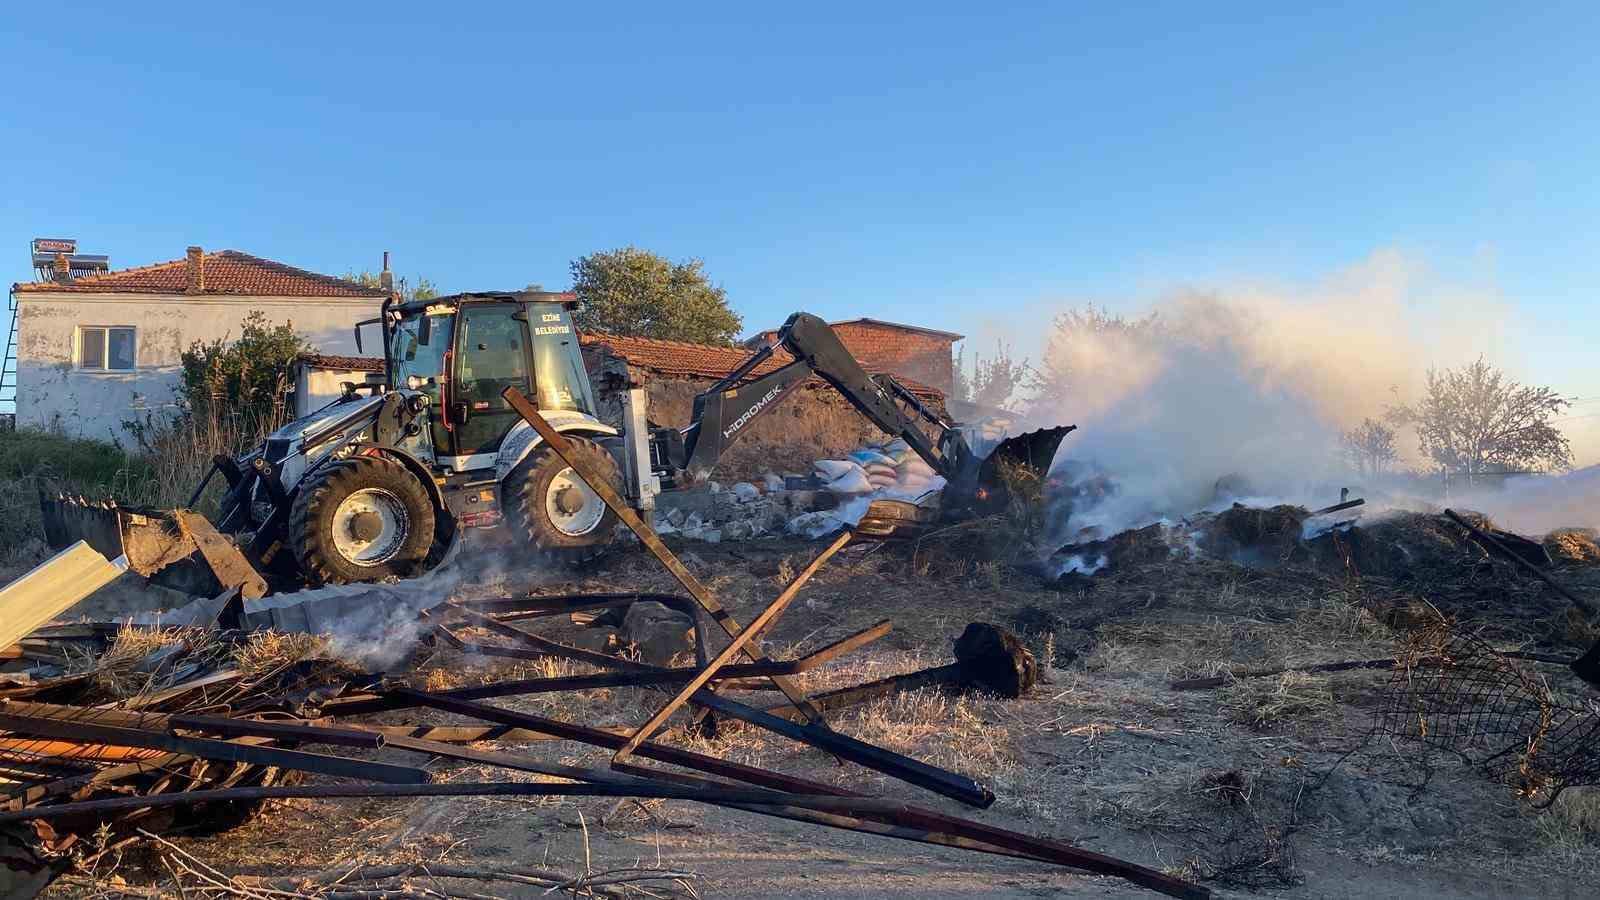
<point>549,507</point>
<point>361,519</point>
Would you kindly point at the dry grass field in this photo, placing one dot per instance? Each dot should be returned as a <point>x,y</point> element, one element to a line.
<point>1270,786</point>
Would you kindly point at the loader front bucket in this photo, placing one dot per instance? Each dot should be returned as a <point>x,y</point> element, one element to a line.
<point>176,548</point>
<point>1017,463</point>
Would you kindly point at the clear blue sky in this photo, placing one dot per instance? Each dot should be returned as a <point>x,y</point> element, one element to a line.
<point>955,165</point>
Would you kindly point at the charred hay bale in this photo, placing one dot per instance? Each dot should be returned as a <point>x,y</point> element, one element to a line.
<point>994,658</point>
<point>1254,536</point>
<point>1573,546</point>
<point>1123,550</point>
<point>1404,546</point>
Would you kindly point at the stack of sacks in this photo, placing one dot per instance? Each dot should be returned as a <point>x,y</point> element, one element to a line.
<point>912,471</point>
<point>889,467</point>
<point>842,476</point>
<point>879,466</point>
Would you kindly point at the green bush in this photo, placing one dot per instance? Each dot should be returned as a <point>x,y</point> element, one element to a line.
<point>32,461</point>
<point>244,381</point>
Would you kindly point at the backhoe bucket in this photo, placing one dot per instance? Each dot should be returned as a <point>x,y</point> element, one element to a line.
<point>1018,463</point>
<point>179,545</point>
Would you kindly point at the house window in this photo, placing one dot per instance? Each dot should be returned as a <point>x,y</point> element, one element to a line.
<point>106,348</point>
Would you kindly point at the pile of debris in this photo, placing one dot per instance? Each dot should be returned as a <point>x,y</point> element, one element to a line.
<point>114,733</point>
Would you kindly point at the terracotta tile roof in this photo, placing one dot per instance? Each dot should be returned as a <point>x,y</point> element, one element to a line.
<point>765,337</point>
<point>226,272</point>
<point>685,360</point>
<point>343,363</point>
<point>918,329</point>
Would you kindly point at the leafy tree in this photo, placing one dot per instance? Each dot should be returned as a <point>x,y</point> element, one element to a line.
<point>1051,382</point>
<point>635,292</point>
<point>1474,420</point>
<point>422,290</point>
<point>993,380</point>
<point>245,379</point>
<point>1370,447</point>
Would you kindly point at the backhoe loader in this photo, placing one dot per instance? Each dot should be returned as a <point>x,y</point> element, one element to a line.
<point>380,482</point>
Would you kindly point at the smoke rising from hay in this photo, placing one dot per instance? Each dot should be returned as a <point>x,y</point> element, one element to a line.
<point>1251,385</point>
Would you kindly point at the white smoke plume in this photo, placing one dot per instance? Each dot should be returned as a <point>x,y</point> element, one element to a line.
<point>376,626</point>
<point>1250,384</point>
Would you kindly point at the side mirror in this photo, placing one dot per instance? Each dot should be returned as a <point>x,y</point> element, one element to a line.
<point>377,321</point>
<point>424,329</point>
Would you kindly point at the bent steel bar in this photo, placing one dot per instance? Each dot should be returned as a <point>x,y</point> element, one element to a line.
<point>740,640</point>
<point>803,792</point>
<point>949,784</point>
<point>634,678</point>
<point>941,781</point>
<point>652,541</point>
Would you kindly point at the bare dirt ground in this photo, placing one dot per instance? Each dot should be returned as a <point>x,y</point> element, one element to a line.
<point>1265,787</point>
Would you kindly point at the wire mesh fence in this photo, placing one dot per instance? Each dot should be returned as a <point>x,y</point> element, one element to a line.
<point>1454,693</point>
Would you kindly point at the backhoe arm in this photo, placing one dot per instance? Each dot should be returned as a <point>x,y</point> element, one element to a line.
<point>723,412</point>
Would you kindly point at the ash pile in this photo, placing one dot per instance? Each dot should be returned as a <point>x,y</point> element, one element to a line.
<point>117,734</point>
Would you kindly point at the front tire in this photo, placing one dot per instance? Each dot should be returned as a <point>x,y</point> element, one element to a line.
<point>553,510</point>
<point>361,519</point>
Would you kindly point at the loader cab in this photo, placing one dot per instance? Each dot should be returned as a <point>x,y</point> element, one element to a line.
<point>463,351</point>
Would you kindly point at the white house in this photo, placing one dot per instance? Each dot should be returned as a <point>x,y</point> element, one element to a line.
<point>98,350</point>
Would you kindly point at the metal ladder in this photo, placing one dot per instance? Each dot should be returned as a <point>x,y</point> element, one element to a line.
<point>8,372</point>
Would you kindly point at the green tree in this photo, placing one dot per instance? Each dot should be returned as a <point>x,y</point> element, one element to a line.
<point>244,380</point>
<point>422,290</point>
<point>1474,420</point>
<point>635,292</point>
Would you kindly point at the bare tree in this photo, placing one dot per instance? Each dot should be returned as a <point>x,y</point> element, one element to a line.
<point>993,380</point>
<point>1475,420</point>
<point>1370,447</point>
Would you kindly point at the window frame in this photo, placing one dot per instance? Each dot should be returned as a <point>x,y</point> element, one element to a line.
<point>79,336</point>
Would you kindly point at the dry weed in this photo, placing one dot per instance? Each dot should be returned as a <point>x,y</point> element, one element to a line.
<point>126,668</point>
<point>1263,702</point>
<point>1570,829</point>
<point>268,651</point>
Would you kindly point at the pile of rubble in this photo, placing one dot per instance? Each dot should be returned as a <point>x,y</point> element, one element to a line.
<point>114,733</point>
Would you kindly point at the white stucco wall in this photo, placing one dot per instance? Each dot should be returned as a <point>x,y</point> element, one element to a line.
<point>53,392</point>
<point>316,387</point>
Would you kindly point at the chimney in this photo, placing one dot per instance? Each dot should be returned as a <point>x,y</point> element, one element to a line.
<point>62,268</point>
<point>195,270</point>
<point>386,277</point>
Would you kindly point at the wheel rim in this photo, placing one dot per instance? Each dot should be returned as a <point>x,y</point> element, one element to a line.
<point>572,506</point>
<point>370,526</point>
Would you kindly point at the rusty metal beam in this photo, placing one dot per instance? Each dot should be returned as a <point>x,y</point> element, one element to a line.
<point>652,542</point>
<point>206,748</point>
<point>738,643</point>
<point>635,788</point>
<point>637,678</point>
